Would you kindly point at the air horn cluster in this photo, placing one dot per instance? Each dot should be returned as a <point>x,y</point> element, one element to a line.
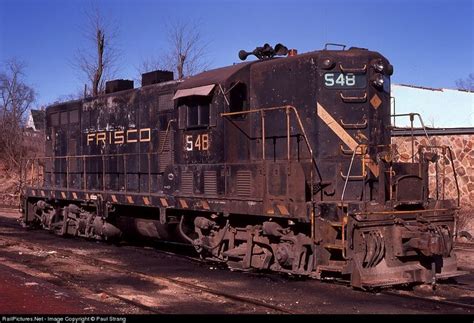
<point>265,52</point>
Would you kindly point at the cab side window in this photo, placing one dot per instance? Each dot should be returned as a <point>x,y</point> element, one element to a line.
<point>194,111</point>
<point>238,99</point>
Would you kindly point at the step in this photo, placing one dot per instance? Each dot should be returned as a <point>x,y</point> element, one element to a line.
<point>333,265</point>
<point>337,245</point>
<point>333,246</point>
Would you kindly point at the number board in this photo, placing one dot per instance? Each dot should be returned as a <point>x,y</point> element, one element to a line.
<point>198,142</point>
<point>345,80</point>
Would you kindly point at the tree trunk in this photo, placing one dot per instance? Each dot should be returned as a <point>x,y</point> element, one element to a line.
<point>180,66</point>
<point>100,63</point>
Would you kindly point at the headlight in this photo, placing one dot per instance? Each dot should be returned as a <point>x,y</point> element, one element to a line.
<point>378,80</point>
<point>378,66</point>
<point>328,64</point>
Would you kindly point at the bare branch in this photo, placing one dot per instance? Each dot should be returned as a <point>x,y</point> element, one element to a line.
<point>16,99</point>
<point>466,84</point>
<point>186,52</point>
<point>97,61</point>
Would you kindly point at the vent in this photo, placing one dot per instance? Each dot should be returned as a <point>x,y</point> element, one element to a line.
<point>187,182</point>
<point>156,77</point>
<point>118,85</point>
<point>165,156</point>
<point>244,182</point>
<point>165,102</point>
<point>210,183</point>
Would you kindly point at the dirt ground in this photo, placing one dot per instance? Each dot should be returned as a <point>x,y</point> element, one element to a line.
<point>43,273</point>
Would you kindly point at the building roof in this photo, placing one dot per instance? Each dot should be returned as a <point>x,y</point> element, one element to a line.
<point>403,132</point>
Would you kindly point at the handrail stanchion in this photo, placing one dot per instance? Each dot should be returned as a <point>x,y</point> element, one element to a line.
<point>149,174</point>
<point>103,173</point>
<point>348,174</point>
<point>412,139</point>
<point>84,173</point>
<point>32,173</point>
<point>455,176</point>
<point>287,110</point>
<point>67,174</point>
<point>262,116</point>
<point>125,172</point>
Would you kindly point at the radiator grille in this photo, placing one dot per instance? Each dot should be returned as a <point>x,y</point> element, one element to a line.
<point>244,182</point>
<point>210,183</point>
<point>187,182</point>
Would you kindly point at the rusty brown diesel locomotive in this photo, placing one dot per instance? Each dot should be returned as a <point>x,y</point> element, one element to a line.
<point>282,163</point>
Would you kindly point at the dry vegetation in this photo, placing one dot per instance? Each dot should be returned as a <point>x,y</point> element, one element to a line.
<point>16,142</point>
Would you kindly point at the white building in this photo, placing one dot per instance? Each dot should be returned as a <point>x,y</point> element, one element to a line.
<point>36,120</point>
<point>439,108</point>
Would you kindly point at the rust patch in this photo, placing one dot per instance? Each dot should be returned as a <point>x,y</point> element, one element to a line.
<point>373,166</point>
<point>130,199</point>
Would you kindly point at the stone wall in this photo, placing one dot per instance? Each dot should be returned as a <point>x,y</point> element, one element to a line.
<point>462,146</point>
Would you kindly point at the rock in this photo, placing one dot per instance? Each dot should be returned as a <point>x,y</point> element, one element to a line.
<point>470,187</point>
<point>462,147</point>
<point>424,289</point>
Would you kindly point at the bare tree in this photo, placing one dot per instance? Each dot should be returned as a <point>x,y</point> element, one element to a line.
<point>466,84</point>
<point>185,53</point>
<point>16,99</point>
<point>76,95</point>
<point>187,48</point>
<point>97,61</point>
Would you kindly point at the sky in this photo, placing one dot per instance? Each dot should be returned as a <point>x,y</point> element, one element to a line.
<point>429,43</point>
